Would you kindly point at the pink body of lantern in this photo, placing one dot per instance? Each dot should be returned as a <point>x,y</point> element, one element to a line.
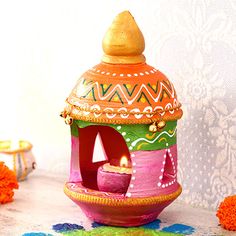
<point>144,199</point>
<point>116,210</point>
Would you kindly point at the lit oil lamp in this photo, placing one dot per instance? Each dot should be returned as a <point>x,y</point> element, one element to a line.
<point>114,179</point>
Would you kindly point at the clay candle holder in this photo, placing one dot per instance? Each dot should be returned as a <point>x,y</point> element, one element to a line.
<point>114,179</point>
<point>123,107</point>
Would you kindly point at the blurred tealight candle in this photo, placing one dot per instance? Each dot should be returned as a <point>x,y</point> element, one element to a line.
<point>14,144</point>
<point>18,156</point>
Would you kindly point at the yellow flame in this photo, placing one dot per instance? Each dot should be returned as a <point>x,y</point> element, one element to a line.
<point>124,161</point>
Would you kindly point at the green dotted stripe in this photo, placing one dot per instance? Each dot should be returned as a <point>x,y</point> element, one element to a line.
<point>138,136</point>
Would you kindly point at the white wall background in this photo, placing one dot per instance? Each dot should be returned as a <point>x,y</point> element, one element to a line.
<point>46,45</point>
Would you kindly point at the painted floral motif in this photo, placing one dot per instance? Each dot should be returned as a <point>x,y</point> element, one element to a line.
<point>222,127</point>
<point>201,84</point>
<point>204,39</point>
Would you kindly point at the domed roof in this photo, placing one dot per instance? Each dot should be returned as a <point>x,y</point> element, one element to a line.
<point>123,88</point>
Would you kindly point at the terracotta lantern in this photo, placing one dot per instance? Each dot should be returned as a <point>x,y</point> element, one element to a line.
<point>123,115</point>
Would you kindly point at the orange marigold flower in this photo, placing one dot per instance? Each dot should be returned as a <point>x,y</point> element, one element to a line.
<point>227,213</point>
<point>8,182</point>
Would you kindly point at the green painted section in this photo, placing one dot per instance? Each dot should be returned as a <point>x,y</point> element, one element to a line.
<point>74,130</point>
<point>138,137</point>
<point>119,231</point>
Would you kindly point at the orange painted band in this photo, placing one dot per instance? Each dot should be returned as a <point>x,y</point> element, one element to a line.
<point>121,202</point>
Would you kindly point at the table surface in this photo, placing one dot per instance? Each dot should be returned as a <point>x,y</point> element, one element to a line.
<point>40,203</point>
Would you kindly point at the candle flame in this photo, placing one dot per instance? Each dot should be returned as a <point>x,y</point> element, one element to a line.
<point>124,161</point>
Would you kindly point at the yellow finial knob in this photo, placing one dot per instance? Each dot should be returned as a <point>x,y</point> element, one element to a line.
<point>123,43</point>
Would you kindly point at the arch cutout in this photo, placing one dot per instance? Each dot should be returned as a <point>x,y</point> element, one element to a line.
<point>170,173</point>
<point>106,140</point>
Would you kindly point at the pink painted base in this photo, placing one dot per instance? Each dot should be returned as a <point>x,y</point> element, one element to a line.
<point>122,216</point>
<point>119,215</point>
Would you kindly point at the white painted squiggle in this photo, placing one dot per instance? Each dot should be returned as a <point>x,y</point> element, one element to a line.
<point>152,141</point>
<point>98,110</point>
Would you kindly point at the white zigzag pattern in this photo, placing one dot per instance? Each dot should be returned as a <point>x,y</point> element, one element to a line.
<point>81,90</point>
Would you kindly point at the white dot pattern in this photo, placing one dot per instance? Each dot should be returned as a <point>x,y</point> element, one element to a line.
<point>152,71</point>
<point>159,184</point>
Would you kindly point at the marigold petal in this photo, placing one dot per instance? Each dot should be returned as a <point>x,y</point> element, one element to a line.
<point>8,182</point>
<point>227,213</point>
